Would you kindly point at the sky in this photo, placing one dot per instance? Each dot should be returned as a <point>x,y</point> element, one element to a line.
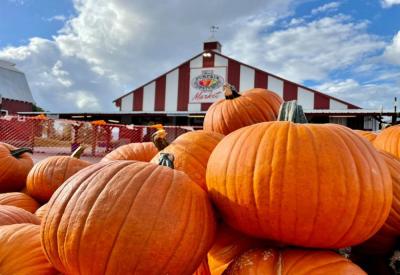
<point>79,55</point>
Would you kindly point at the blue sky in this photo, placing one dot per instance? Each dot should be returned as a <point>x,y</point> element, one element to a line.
<point>81,54</point>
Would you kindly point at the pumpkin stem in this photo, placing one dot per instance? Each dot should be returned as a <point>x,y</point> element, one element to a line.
<point>159,139</point>
<point>166,160</point>
<point>230,91</point>
<point>18,152</point>
<point>291,111</point>
<point>78,152</point>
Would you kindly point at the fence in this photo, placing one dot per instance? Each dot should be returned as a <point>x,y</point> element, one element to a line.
<point>60,137</point>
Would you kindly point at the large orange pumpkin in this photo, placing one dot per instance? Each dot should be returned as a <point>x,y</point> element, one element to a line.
<point>20,200</point>
<point>291,182</point>
<point>128,217</point>
<point>48,174</point>
<point>142,151</point>
<point>371,136</point>
<point>41,211</point>
<point>203,269</point>
<point>389,140</point>
<point>14,167</point>
<point>292,262</point>
<point>192,151</point>
<point>21,251</point>
<point>253,106</point>
<point>12,215</point>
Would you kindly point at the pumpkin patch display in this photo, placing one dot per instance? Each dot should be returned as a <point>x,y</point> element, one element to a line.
<point>389,140</point>
<point>371,136</point>
<point>128,217</point>
<point>292,182</point>
<point>192,151</point>
<point>20,200</point>
<point>141,151</point>
<point>21,251</point>
<point>14,167</point>
<point>12,215</point>
<point>47,175</point>
<point>240,110</point>
<point>292,262</point>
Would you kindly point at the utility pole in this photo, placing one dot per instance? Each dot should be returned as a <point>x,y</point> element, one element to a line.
<point>394,117</point>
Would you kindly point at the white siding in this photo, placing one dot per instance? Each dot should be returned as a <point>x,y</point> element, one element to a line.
<point>194,107</point>
<point>246,78</point>
<point>197,62</point>
<point>336,105</point>
<point>127,103</point>
<point>275,85</point>
<point>149,93</point>
<point>171,91</point>
<point>220,61</point>
<point>305,98</point>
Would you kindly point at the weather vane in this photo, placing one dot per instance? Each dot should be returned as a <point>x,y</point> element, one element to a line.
<point>213,30</point>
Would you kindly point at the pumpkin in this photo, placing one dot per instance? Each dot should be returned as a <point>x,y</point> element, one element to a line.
<point>371,136</point>
<point>291,182</point>
<point>21,251</point>
<point>20,200</point>
<point>292,262</point>
<point>142,151</point>
<point>229,244</point>
<point>389,140</point>
<point>203,269</point>
<point>128,217</point>
<point>41,211</point>
<point>12,215</point>
<point>192,151</point>
<point>236,111</point>
<point>14,167</point>
<point>48,174</point>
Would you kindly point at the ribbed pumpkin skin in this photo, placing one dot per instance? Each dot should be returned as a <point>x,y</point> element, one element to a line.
<point>389,140</point>
<point>253,106</point>
<point>21,251</point>
<point>47,175</point>
<point>229,244</point>
<point>20,200</point>
<point>292,262</point>
<point>41,211</point>
<point>142,151</point>
<point>291,182</point>
<point>371,136</point>
<point>203,269</point>
<point>128,217</point>
<point>13,171</point>
<point>12,215</point>
<point>192,151</point>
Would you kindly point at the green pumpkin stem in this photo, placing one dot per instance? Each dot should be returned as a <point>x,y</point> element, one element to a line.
<point>78,152</point>
<point>18,152</point>
<point>230,91</point>
<point>291,111</point>
<point>166,160</point>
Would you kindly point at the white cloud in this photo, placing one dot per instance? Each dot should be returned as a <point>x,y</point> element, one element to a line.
<point>392,51</point>
<point>389,3</point>
<point>58,17</point>
<point>332,6</point>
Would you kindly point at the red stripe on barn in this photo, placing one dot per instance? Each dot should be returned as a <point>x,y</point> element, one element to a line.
<point>260,80</point>
<point>205,106</point>
<point>183,87</point>
<point>138,99</point>
<point>234,73</point>
<point>289,91</point>
<point>159,104</point>
<point>321,101</point>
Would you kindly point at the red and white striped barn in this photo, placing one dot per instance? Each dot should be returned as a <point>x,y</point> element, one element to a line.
<point>177,92</point>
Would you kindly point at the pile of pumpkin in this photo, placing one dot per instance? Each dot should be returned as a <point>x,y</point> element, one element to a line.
<point>246,195</point>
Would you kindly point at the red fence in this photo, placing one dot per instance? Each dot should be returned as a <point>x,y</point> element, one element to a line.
<point>61,137</point>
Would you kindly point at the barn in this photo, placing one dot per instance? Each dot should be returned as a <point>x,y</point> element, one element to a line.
<point>182,95</point>
<point>15,95</point>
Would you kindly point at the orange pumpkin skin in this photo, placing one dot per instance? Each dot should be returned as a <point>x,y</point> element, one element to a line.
<point>20,200</point>
<point>371,136</point>
<point>47,175</point>
<point>290,182</point>
<point>203,269</point>
<point>13,170</point>
<point>41,211</point>
<point>389,140</point>
<point>292,262</point>
<point>21,251</point>
<point>192,151</point>
<point>228,245</point>
<point>157,220</point>
<point>142,151</point>
<point>253,106</point>
<point>12,215</point>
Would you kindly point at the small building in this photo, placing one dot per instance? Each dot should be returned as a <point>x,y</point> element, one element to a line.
<point>15,95</point>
